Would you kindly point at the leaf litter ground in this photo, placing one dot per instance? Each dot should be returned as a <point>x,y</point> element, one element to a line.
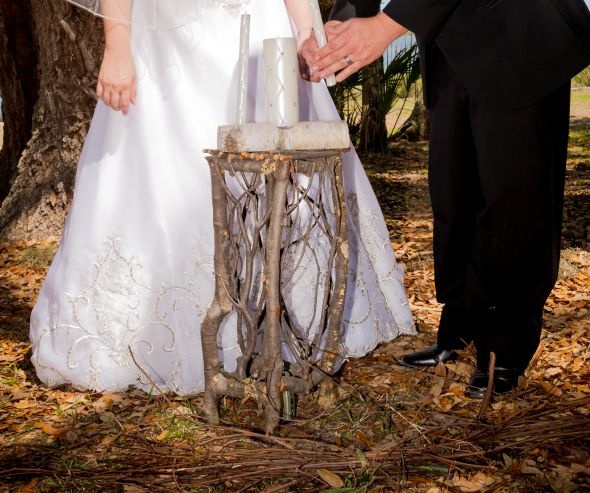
<point>377,427</point>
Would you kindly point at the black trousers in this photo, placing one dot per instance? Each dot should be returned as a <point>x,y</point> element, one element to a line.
<point>496,184</point>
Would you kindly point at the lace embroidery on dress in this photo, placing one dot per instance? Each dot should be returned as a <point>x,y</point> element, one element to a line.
<point>369,249</point>
<point>232,6</point>
<point>375,281</point>
<point>119,319</point>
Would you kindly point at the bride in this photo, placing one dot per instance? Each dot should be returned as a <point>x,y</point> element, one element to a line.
<point>133,276</point>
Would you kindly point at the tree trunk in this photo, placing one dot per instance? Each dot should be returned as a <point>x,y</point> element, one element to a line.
<point>49,55</point>
<point>17,58</point>
<point>373,134</point>
<point>417,126</point>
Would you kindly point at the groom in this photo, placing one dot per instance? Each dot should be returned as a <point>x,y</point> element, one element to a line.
<point>496,84</point>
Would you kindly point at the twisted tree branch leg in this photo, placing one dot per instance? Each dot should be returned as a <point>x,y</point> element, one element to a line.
<point>272,333</point>
<point>221,305</point>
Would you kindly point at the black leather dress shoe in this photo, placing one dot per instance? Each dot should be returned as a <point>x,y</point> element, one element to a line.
<point>431,356</point>
<point>505,379</point>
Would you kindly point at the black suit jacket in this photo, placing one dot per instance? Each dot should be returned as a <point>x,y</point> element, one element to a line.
<point>508,53</point>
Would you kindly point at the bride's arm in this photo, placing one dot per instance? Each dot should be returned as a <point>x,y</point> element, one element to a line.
<point>300,14</point>
<point>116,79</point>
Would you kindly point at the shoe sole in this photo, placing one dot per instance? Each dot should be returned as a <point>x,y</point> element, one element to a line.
<point>402,362</point>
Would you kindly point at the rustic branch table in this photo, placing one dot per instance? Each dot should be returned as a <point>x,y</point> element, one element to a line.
<point>272,213</point>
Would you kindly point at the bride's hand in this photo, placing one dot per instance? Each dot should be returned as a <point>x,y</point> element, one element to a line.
<point>116,80</point>
<point>306,43</point>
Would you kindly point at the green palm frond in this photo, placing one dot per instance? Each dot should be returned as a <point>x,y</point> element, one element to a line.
<point>400,75</point>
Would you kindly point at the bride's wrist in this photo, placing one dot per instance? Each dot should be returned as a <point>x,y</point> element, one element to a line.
<point>116,35</point>
<point>303,33</point>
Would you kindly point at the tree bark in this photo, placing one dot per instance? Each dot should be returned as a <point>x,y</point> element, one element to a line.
<point>19,92</point>
<point>417,126</point>
<point>49,59</point>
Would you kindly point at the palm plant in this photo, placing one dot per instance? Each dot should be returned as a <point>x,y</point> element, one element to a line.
<point>350,97</point>
<point>347,98</point>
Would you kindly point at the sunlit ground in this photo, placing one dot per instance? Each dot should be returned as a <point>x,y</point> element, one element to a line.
<point>580,106</point>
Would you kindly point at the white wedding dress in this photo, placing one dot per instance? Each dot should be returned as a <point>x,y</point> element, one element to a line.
<point>133,275</point>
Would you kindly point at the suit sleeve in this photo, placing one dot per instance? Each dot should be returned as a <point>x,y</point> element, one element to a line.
<point>347,9</point>
<point>425,18</point>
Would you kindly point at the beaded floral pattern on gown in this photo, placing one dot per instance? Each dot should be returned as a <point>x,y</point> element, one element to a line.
<point>133,275</point>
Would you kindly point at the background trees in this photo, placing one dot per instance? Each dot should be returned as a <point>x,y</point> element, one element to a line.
<point>49,55</point>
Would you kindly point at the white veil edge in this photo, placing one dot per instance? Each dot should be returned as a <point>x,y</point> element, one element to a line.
<point>146,16</point>
<point>161,15</point>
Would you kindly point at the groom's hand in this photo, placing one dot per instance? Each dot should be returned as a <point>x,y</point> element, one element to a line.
<point>353,44</point>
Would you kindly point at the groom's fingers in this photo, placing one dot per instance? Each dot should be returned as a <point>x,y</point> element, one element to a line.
<point>338,42</point>
<point>339,52</point>
<point>331,62</point>
<point>342,68</point>
<point>343,61</point>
